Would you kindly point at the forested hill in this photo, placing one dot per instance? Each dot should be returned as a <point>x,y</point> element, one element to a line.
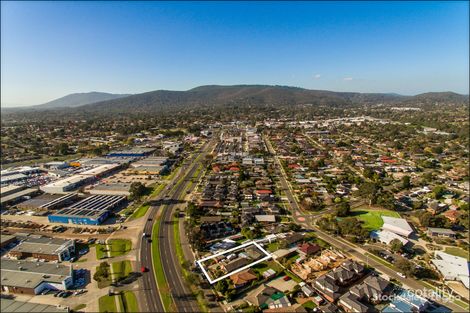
<point>217,96</point>
<point>239,96</point>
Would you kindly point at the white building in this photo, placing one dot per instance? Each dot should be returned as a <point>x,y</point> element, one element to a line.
<point>452,267</point>
<point>397,225</point>
<point>386,236</point>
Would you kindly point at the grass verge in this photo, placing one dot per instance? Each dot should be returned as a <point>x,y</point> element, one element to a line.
<point>140,211</point>
<point>121,269</point>
<point>158,267</point>
<point>129,301</point>
<point>107,304</point>
<point>114,247</point>
<point>79,307</point>
<point>186,274</point>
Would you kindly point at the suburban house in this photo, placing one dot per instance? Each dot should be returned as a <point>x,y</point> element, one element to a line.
<point>406,301</point>
<point>327,287</point>
<point>235,264</point>
<point>441,232</point>
<point>308,249</point>
<point>243,278</point>
<point>350,303</point>
<point>371,289</point>
<point>260,295</point>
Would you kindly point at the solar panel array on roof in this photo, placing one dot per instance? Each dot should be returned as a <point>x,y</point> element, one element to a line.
<point>98,202</point>
<point>91,207</point>
<point>58,201</point>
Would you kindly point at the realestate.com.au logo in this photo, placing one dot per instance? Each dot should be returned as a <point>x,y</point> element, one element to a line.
<point>440,295</point>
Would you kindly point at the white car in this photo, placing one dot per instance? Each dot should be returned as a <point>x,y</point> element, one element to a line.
<point>401,275</point>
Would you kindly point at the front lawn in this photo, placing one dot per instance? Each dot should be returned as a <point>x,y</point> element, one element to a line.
<point>372,218</point>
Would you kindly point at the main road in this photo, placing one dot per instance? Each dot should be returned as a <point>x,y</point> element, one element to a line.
<point>167,201</point>
<point>307,222</point>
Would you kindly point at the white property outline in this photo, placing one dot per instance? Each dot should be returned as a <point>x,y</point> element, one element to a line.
<point>199,262</point>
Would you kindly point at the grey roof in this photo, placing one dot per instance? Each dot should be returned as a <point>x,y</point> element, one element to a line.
<point>441,231</point>
<point>18,194</point>
<point>28,274</point>
<point>41,244</point>
<point>5,238</point>
<point>10,305</point>
<point>351,300</point>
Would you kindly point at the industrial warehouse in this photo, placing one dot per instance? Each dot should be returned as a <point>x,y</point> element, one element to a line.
<point>43,248</point>
<point>90,211</point>
<point>74,182</point>
<point>33,277</point>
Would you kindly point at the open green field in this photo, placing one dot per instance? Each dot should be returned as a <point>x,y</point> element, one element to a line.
<point>457,252</point>
<point>372,218</point>
<point>129,301</point>
<point>107,304</point>
<point>121,269</point>
<point>114,247</point>
<point>140,211</point>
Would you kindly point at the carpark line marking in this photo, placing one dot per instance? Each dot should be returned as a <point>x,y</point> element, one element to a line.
<point>211,281</point>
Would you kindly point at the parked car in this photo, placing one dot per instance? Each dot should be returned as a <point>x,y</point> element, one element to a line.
<point>286,278</point>
<point>59,294</point>
<point>66,294</point>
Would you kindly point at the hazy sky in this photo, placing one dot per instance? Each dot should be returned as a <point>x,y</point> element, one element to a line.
<point>50,49</point>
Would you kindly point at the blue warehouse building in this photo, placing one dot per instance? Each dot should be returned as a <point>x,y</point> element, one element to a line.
<point>93,210</point>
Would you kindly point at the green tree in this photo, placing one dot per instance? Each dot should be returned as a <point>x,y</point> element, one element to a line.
<point>62,148</point>
<point>343,209</point>
<point>438,191</point>
<point>221,286</point>
<point>137,190</point>
<point>396,245</point>
<point>406,182</point>
<point>405,266</point>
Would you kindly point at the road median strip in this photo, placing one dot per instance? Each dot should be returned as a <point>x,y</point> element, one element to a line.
<point>159,273</point>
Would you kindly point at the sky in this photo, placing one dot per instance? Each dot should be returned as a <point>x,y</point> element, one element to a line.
<point>51,49</point>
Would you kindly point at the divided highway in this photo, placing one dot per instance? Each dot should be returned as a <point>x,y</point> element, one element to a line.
<point>170,199</point>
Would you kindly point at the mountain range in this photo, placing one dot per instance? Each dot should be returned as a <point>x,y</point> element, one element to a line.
<point>216,95</point>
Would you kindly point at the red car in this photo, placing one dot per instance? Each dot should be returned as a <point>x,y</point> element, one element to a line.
<point>143,269</point>
<point>286,278</point>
